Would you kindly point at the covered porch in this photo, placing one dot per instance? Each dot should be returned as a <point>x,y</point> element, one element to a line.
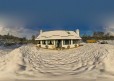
<point>58,43</point>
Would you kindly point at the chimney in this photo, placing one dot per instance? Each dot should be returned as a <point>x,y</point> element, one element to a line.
<point>78,32</point>
<point>41,31</point>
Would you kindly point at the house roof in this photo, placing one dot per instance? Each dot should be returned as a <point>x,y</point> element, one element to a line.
<point>58,34</point>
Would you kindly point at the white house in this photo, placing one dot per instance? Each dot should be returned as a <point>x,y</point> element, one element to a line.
<point>58,39</point>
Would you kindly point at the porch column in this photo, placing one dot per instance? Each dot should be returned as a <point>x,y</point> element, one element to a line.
<point>62,43</point>
<point>54,44</point>
<point>71,42</point>
<point>46,42</point>
<point>41,42</point>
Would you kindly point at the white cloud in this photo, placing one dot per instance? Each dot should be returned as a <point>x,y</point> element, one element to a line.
<point>17,31</point>
<point>15,26</point>
<point>109,29</point>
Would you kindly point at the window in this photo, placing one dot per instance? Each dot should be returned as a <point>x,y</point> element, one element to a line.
<point>44,42</point>
<point>38,42</point>
<point>67,42</point>
<point>50,42</point>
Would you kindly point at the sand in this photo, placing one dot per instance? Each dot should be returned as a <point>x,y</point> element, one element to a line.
<point>86,63</point>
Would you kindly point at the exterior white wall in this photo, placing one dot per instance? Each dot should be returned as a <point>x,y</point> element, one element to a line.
<point>38,44</point>
<point>66,46</point>
<point>54,46</point>
<point>44,45</point>
<point>71,46</point>
<point>51,46</point>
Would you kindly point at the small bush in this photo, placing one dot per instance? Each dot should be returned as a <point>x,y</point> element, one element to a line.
<point>68,47</point>
<point>104,42</point>
<point>46,46</point>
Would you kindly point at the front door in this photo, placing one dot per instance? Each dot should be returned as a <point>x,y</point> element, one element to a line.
<point>58,43</point>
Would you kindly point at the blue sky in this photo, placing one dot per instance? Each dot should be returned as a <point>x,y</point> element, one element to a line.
<point>33,15</point>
